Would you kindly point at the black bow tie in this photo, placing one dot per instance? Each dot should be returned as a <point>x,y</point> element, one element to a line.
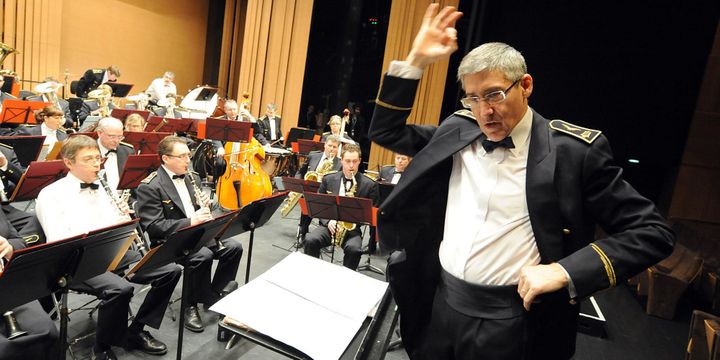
<point>178,176</point>
<point>490,145</point>
<point>91,186</point>
<point>110,151</point>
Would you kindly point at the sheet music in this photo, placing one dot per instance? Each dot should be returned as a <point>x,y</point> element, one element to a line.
<point>307,303</point>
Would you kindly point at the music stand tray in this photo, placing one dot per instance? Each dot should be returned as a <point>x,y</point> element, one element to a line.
<point>27,148</point>
<point>228,130</point>
<point>38,175</point>
<point>119,89</point>
<point>122,114</point>
<point>306,146</point>
<point>167,124</point>
<point>297,133</point>
<point>137,168</point>
<point>20,111</point>
<point>145,142</point>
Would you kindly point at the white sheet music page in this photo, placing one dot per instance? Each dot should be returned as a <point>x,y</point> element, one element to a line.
<point>307,303</point>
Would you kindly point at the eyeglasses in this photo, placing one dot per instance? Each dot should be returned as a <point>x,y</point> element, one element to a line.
<point>90,160</point>
<point>494,97</point>
<point>181,156</point>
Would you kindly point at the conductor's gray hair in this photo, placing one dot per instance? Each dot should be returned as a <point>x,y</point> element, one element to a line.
<point>494,56</point>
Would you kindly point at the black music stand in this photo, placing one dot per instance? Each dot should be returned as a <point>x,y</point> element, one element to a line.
<point>122,114</point>
<point>137,168</point>
<point>27,148</point>
<point>40,270</point>
<point>228,130</point>
<point>206,94</point>
<point>168,124</point>
<point>299,186</point>
<point>340,208</point>
<point>176,249</point>
<point>297,133</point>
<point>20,111</point>
<point>38,175</point>
<point>251,217</point>
<point>119,89</point>
<point>145,142</point>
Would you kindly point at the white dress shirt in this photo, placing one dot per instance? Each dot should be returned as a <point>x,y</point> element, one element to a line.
<point>273,125</point>
<point>50,135</point>
<point>64,210</point>
<point>111,166</point>
<point>183,192</point>
<point>158,91</point>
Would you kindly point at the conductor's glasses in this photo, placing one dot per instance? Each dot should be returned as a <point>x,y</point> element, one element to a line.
<point>492,98</point>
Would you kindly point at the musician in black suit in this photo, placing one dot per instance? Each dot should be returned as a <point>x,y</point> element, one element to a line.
<point>167,201</point>
<point>92,78</point>
<point>335,124</point>
<point>341,183</point>
<point>42,335</point>
<point>116,152</point>
<point>270,124</point>
<point>498,210</point>
<point>240,113</point>
<point>392,174</point>
<point>314,162</point>
<point>10,173</point>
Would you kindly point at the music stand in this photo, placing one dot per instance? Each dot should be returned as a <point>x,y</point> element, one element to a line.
<point>119,89</point>
<point>145,142</point>
<point>38,175</point>
<point>40,270</point>
<point>306,146</point>
<point>167,124</point>
<point>340,208</point>
<point>206,94</point>
<point>297,133</point>
<point>137,168</point>
<point>176,249</point>
<point>92,134</point>
<point>228,130</point>
<point>251,217</point>
<point>27,148</point>
<point>122,114</point>
<point>20,111</point>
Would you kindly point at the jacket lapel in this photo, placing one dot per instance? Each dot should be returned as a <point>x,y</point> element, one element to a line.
<point>169,187</point>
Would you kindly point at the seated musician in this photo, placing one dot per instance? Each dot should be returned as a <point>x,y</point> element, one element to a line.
<point>335,124</point>
<point>41,335</point>
<point>10,173</point>
<point>270,125</point>
<point>116,152</point>
<point>392,174</point>
<point>94,209</point>
<point>92,78</point>
<point>135,123</point>
<point>167,201</point>
<point>320,163</point>
<point>51,118</point>
<point>342,183</point>
<point>160,88</point>
<point>240,113</point>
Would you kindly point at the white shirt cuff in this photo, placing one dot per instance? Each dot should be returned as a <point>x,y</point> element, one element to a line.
<point>402,70</point>
<point>570,285</point>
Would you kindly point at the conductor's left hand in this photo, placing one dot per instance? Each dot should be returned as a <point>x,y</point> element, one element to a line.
<point>540,279</point>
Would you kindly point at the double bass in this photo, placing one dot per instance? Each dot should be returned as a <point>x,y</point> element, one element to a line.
<point>244,180</point>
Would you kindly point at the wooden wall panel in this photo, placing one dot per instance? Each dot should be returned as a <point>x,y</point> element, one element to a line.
<point>405,19</point>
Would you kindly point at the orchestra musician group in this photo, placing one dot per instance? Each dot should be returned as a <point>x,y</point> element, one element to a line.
<point>490,218</point>
<point>167,200</point>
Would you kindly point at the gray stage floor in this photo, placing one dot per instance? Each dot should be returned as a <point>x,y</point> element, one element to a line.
<point>632,334</point>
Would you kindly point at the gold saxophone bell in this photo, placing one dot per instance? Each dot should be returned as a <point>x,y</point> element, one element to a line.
<point>315,176</point>
<point>12,326</point>
<point>342,227</point>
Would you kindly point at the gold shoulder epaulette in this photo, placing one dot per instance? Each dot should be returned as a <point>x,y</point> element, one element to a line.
<point>127,144</point>
<point>584,134</point>
<point>465,113</point>
<point>98,71</point>
<point>31,239</point>
<point>149,178</point>
<point>6,145</point>
<point>327,133</point>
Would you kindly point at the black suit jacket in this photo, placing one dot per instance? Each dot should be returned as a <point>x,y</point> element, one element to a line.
<point>37,131</point>
<point>91,79</point>
<point>366,188</point>
<point>312,161</point>
<point>264,123</point>
<point>571,185</point>
<point>12,175</point>
<point>386,173</point>
<point>159,206</point>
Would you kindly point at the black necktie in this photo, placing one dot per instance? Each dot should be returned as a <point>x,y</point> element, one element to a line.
<point>92,186</point>
<point>110,151</point>
<point>490,145</point>
<point>178,176</point>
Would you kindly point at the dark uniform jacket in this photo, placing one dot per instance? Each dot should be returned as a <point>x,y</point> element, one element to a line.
<point>264,123</point>
<point>572,184</point>
<point>159,206</point>
<point>313,159</point>
<point>365,188</point>
<point>91,79</point>
<point>37,131</point>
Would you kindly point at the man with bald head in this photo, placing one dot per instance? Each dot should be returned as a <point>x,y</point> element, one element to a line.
<point>110,136</point>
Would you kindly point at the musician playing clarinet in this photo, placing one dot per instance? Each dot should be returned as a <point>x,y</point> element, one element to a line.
<point>93,208</point>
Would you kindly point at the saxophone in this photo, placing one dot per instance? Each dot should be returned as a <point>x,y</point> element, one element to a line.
<point>316,176</point>
<point>342,227</point>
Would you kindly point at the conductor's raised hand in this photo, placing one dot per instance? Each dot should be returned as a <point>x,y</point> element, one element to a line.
<point>437,37</point>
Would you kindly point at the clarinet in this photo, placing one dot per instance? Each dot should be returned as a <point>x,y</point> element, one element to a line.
<point>203,204</point>
<point>117,202</point>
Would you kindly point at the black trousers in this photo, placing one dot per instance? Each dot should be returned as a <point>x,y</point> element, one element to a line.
<point>41,339</point>
<point>489,322</point>
<point>203,289</point>
<point>163,281</point>
<point>352,247</point>
<point>114,293</point>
